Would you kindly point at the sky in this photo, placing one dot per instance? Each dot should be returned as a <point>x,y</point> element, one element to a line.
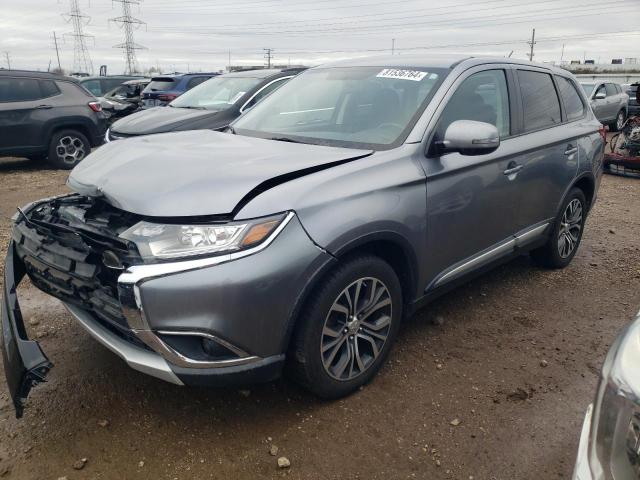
<point>201,35</point>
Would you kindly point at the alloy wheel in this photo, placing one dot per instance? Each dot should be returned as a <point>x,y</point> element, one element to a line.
<point>70,150</point>
<point>570,228</point>
<point>356,328</point>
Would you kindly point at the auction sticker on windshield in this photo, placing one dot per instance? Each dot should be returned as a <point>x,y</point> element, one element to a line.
<point>415,75</point>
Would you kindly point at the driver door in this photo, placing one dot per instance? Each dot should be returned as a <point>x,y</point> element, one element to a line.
<point>472,200</point>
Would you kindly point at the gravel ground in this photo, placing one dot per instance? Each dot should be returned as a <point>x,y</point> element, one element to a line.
<point>489,382</point>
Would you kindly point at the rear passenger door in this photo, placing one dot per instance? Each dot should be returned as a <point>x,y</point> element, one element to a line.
<point>24,107</point>
<point>550,147</point>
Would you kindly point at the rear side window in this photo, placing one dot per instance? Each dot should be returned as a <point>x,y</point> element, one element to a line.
<point>19,89</point>
<point>196,81</point>
<point>611,89</point>
<point>48,88</point>
<point>572,103</point>
<point>539,100</point>
<point>93,86</point>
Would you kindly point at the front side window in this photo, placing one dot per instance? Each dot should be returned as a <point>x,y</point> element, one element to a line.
<point>571,99</point>
<point>19,89</point>
<point>218,93</point>
<point>482,97</point>
<point>600,90</point>
<point>539,100</point>
<point>372,107</point>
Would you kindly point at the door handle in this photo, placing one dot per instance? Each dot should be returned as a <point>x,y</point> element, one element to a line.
<point>571,150</point>
<point>44,107</point>
<point>513,168</point>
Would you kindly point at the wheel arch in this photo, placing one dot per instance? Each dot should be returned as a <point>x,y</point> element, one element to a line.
<point>71,124</point>
<point>390,246</point>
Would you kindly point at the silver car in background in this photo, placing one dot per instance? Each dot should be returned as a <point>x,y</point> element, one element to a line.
<point>346,199</point>
<point>609,102</point>
<point>610,440</point>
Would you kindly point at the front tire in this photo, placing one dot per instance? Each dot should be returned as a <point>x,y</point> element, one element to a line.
<point>347,328</point>
<point>67,148</point>
<point>566,235</point>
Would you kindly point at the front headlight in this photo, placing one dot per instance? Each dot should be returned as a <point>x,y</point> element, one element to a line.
<point>166,241</point>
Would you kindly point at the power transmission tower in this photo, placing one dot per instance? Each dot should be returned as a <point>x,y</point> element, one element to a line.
<point>532,43</point>
<point>128,24</point>
<point>55,41</point>
<point>81,58</point>
<point>268,55</point>
<point>6,54</point>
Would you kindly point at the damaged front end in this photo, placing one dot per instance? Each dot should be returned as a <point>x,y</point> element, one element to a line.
<point>69,248</point>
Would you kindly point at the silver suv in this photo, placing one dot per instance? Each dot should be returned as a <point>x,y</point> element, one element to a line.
<point>340,204</point>
<point>609,103</point>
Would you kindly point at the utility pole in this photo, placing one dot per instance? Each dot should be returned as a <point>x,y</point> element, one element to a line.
<point>268,55</point>
<point>229,63</point>
<point>55,41</point>
<point>393,46</point>
<point>128,24</point>
<point>532,43</point>
<point>81,59</point>
<point>562,54</point>
<point>6,54</point>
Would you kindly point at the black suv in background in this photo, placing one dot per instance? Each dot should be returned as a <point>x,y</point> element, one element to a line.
<point>48,116</point>
<point>212,105</point>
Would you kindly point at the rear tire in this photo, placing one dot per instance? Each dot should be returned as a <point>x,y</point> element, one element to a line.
<point>347,328</point>
<point>617,125</point>
<point>566,234</point>
<point>67,148</point>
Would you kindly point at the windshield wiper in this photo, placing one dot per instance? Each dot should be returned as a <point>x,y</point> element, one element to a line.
<point>192,107</point>
<point>285,139</point>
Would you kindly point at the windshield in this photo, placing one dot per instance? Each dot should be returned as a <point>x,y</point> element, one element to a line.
<point>217,93</point>
<point>588,88</point>
<point>353,106</point>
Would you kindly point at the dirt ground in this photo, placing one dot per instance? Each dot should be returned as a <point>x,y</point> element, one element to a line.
<point>513,357</point>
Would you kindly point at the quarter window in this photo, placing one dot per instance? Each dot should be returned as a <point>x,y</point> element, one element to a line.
<point>572,103</point>
<point>49,88</point>
<point>539,100</point>
<point>482,97</point>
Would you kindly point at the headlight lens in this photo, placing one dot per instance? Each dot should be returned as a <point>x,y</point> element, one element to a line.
<point>165,241</point>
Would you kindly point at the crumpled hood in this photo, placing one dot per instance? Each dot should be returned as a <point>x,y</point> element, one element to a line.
<point>198,172</point>
<point>160,120</point>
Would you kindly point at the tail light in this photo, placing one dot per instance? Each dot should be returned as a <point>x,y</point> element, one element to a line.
<point>167,97</point>
<point>95,106</point>
<point>603,132</point>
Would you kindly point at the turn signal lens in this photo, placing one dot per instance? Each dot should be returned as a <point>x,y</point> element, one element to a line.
<point>259,232</point>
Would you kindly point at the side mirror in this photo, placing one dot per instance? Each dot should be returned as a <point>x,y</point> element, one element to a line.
<point>469,137</point>
<point>600,96</point>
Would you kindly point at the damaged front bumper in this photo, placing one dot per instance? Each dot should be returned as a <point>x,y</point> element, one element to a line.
<point>211,321</point>
<point>25,364</point>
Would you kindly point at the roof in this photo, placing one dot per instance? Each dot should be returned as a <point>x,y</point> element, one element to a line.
<point>434,61</point>
<point>32,74</point>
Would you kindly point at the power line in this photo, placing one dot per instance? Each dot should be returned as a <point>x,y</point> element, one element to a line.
<point>81,58</point>
<point>128,23</point>
<point>326,29</point>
